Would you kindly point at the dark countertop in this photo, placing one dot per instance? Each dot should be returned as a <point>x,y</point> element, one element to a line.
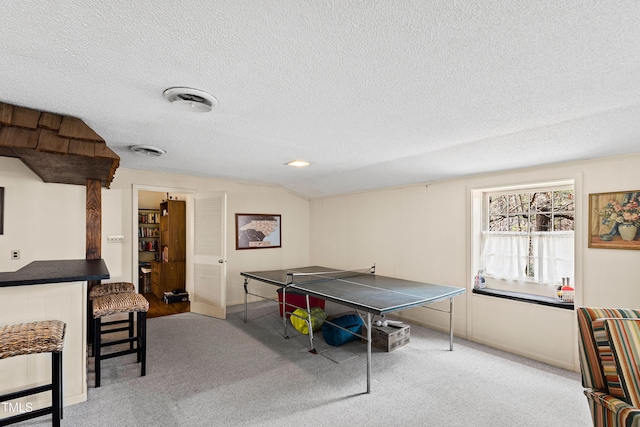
<point>58,271</point>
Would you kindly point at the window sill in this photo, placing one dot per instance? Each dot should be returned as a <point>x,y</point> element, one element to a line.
<point>518,296</point>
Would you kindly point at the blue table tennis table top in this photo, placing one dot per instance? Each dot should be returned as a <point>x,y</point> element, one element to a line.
<point>369,292</point>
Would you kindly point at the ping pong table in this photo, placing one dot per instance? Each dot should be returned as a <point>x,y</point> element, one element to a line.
<point>362,290</point>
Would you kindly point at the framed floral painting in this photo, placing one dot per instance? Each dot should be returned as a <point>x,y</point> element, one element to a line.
<point>614,220</point>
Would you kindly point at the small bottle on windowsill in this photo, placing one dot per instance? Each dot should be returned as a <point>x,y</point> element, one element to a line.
<point>479,282</point>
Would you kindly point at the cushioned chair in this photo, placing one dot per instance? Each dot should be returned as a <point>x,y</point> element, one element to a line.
<point>608,362</point>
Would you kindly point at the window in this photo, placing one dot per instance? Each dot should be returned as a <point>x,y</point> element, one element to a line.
<point>526,237</point>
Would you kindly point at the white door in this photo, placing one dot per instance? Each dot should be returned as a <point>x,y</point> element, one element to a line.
<point>206,262</point>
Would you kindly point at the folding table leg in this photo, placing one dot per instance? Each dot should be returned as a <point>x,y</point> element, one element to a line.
<point>368,352</point>
<point>284,312</point>
<point>450,324</point>
<point>312,348</point>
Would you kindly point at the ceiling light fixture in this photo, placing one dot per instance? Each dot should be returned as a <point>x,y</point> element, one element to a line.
<point>298,163</point>
<point>190,99</point>
<point>147,150</point>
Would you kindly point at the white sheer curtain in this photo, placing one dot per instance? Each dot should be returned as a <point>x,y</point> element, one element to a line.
<point>552,256</point>
<point>506,255</point>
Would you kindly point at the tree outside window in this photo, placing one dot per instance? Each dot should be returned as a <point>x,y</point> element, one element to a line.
<point>525,234</point>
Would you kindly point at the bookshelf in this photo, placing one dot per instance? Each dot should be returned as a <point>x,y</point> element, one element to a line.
<point>168,271</point>
<point>148,235</point>
<point>148,244</point>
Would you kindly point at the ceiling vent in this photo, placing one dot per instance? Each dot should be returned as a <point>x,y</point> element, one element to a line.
<point>190,99</point>
<point>147,149</point>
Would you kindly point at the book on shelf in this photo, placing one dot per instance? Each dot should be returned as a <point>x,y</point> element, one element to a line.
<point>148,246</point>
<point>149,218</point>
<point>148,232</point>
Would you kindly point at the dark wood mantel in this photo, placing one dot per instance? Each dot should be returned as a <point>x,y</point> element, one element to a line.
<point>59,149</point>
<point>64,150</point>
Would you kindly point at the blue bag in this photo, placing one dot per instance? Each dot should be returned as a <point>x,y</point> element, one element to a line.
<point>336,336</point>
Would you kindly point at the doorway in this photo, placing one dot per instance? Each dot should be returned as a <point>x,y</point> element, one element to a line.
<point>151,240</point>
<point>205,239</point>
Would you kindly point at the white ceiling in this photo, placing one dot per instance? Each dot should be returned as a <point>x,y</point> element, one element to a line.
<point>373,93</point>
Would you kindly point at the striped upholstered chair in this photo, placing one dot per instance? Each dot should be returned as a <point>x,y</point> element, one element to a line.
<point>609,354</point>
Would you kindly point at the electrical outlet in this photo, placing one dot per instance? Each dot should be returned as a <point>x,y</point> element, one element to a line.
<point>115,238</point>
<point>15,254</point>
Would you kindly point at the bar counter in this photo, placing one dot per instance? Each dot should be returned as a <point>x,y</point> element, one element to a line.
<point>48,290</point>
<point>41,272</point>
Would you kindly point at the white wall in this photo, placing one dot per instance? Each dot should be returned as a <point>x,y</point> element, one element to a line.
<point>422,232</point>
<point>416,232</point>
<point>150,199</point>
<point>119,218</point>
<point>47,221</point>
<point>42,221</point>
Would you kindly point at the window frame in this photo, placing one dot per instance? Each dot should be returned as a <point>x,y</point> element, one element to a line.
<point>486,216</point>
<point>487,194</point>
<point>528,291</point>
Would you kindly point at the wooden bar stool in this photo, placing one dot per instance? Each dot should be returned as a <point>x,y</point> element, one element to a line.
<point>101,290</point>
<point>120,303</point>
<point>45,336</point>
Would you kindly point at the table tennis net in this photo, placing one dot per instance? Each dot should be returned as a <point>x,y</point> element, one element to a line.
<point>322,276</point>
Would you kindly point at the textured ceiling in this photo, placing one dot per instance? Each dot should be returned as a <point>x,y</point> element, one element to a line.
<point>373,93</point>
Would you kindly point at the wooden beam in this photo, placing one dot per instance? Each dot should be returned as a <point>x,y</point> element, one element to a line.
<point>57,148</point>
<point>25,117</point>
<point>76,129</point>
<point>94,219</point>
<point>82,148</point>
<point>18,137</point>
<point>6,151</point>
<point>50,121</point>
<point>101,150</point>
<point>50,142</point>
<point>6,112</point>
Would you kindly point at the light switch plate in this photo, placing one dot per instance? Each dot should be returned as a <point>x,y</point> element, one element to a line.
<point>115,238</point>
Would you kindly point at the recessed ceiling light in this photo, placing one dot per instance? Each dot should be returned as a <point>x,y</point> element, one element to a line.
<point>190,99</point>
<point>298,163</point>
<point>147,150</point>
